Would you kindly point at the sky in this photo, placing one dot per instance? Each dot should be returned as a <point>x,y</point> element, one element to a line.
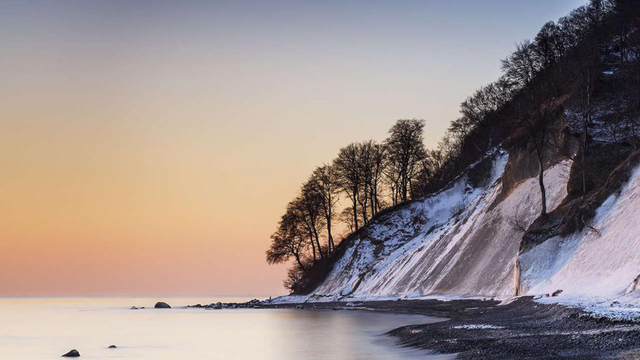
<point>150,147</point>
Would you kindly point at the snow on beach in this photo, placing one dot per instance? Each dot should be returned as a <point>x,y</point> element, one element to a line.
<point>479,327</point>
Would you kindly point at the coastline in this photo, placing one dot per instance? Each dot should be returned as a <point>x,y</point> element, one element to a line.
<point>522,329</point>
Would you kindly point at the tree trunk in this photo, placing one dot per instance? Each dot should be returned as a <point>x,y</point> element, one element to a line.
<point>411,188</point>
<point>585,140</point>
<point>355,210</point>
<point>543,192</point>
<point>375,196</point>
<point>313,247</point>
<point>583,160</point>
<point>329,236</point>
<point>297,256</point>
<point>317,239</point>
<point>404,188</point>
<point>363,205</point>
<point>394,191</point>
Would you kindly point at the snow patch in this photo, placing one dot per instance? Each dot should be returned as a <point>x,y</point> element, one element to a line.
<point>478,327</point>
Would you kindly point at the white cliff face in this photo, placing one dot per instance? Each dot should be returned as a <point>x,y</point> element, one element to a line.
<point>598,263</point>
<point>464,242</point>
<point>460,241</point>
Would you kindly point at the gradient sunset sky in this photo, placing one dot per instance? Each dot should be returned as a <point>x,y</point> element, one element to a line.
<point>149,147</point>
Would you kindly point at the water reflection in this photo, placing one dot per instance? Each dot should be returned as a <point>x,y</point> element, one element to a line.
<point>37,329</point>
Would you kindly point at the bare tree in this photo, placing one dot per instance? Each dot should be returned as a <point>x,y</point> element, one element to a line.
<point>323,181</point>
<point>309,205</point>
<point>391,173</point>
<point>522,65</point>
<point>537,116</point>
<point>370,162</point>
<point>365,166</point>
<point>348,177</point>
<point>288,240</point>
<point>549,45</point>
<point>377,169</point>
<point>405,149</point>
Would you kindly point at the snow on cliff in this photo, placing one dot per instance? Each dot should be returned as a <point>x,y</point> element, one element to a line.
<point>461,241</point>
<point>464,241</point>
<point>601,262</point>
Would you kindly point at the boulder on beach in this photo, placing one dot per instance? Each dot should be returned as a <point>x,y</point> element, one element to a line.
<point>72,353</point>
<point>112,346</point>
<point>162,305</point>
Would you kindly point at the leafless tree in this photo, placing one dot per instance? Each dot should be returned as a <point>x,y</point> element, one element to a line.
<point>522,65</point>
<point>309,206</point>
<point>348,177</point>
<point>536,116</point>
<point>371,162</point>
<point>288,241</point>
<point>378,161</point>
<point>323,181</point>
<point>406,150</point>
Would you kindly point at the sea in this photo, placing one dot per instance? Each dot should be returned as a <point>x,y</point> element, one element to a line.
<point>46,328</point>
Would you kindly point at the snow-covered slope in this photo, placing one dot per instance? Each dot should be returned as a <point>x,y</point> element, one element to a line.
<point>464,241</point>
<point>460,241</point>
<point>600,262</point>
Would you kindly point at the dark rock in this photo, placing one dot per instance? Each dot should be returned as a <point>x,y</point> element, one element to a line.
<point>134,308</point>
<point>556,293</point>
<point>112,346</point>
<point>162,305</point>
<point>72,353</point>
<point>254,302</point>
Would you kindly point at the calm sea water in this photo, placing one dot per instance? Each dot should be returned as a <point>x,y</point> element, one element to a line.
<point>36,328</point>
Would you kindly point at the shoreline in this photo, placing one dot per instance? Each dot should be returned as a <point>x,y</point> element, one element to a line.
<point>522,329</point>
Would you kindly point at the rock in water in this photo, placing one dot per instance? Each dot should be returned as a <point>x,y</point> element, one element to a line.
<point>72,353</point>
<point>162,305</point>
<point>112,346</point>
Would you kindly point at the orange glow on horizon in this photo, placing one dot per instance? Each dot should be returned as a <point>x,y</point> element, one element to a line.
<point>151,148</point>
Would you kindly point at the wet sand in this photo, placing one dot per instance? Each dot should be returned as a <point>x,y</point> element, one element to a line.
<point>523,329</point>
